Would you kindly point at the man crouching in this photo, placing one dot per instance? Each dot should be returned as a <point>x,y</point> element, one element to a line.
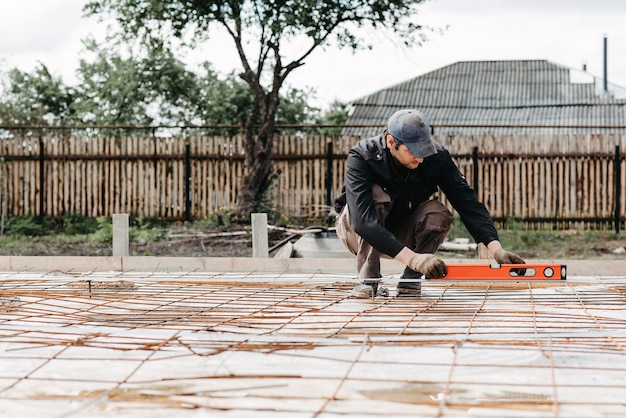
<point>388,206</point>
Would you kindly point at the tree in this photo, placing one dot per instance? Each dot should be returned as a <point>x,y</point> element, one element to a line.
<point>154,88</point>
<point>115,88</point>
<point>36,98</point>
<point>337,114</point>
<point>260,31</point>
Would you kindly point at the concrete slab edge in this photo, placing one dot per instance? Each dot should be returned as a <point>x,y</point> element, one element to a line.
<point>243,264</point>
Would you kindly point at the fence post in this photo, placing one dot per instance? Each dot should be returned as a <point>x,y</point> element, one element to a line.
<point>617,177</point>
<point>329,174</point>
<point>42,176</point>
<point>120,235</point>
<point>3,194</point>
<point>475,168</point>
<point>260,245</point>
<point>187,181</point>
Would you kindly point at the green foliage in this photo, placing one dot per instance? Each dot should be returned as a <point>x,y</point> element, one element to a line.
<point>142,222</point>
<point>154,88</point>
<point>74,223</point>
<point>30,226</point>
<point>337,114</point>
<point>259,29</point>
<point>269,23</point>
<point>29,235</point>
<point>13,245</point>
<point>142,229</point>
<point>115,90</point>
<point>104,233</point>
<point>294,107</point>
<point>219,100</point>
<point>222,217</point>
<point>262,32</point>
<point>36,98</point>
<point>458,230</point>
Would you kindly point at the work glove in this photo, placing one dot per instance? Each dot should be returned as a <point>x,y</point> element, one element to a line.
<point>506,257</point>
<point>429,265</point>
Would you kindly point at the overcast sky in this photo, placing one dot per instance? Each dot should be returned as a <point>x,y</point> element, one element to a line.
<point>565,32</point>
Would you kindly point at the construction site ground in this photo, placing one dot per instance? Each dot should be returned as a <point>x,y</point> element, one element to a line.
<point>241,337</point>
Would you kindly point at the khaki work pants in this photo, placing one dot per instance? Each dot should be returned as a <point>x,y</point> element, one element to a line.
<point>423,232</point>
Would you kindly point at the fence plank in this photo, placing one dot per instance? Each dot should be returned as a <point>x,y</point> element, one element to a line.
<point>524,176</point>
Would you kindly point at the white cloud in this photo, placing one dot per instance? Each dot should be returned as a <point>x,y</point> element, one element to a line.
<point>49,32</point>
<point>566,32</point>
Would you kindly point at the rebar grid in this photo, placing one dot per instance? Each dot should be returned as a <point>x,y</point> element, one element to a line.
<point>241,344</point>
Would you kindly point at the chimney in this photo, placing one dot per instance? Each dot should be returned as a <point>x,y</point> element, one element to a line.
<point>606,80</point>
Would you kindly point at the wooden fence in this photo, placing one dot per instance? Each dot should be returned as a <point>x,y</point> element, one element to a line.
<point>556,181</point>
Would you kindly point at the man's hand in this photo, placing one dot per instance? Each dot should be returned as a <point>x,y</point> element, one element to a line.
<point>429,265</point>
<point>507,257</point>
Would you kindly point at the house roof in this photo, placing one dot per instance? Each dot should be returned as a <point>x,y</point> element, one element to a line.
<point>504,95</point>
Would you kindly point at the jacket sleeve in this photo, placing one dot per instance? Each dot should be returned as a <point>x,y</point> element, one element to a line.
<point>363,217</point>
<point>473,213</point>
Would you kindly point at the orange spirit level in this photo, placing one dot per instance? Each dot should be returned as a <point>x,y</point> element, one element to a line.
<point>504,272</point>
<point>492,272</point>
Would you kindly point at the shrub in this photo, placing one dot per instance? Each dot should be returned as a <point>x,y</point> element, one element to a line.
<point>30,226</point>
<point>104,233</point>
<point>74,223</point>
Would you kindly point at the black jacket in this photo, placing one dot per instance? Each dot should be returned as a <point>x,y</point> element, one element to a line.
<point>370,162</point>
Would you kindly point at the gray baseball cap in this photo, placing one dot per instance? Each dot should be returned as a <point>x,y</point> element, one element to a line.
<point>411,127</point>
